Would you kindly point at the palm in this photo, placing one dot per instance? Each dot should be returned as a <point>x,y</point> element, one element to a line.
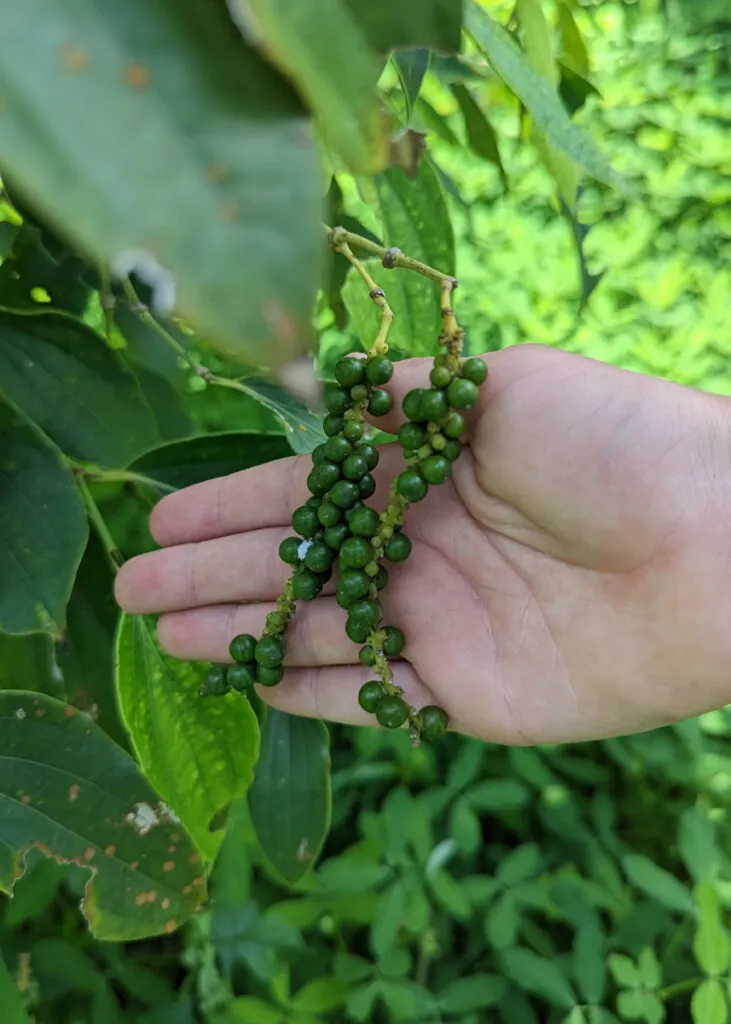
<point>541,600</point>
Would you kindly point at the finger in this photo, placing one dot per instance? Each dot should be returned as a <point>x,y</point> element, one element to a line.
<point>331,692</point>
<point>240,567</point>
<point>254,499</point>
<point>316,635</point>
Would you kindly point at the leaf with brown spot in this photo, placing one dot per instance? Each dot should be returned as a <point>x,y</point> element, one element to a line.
<point>46,761</point>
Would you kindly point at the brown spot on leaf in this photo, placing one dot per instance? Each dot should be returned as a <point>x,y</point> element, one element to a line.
<point>110,850</point>
<point>89,852</point>
<point>170,926</point>
<point>165,903</point>
<point>40,712</point>
<point>281,321</point>
<point>200,880</point>
<point>24,798</point>
<point>74,791</point>
<point>169,865</point>
<point>228,211</point>
<point>141,898</point>
<point>134,865</point>
<point>188,889</point>
<point>216,172</point>
<point>74,58</point>
<point>69,712</point>
<point>137,76</point>
<point>175,838</point>
<point>172,849</point>
<point>195,858</point>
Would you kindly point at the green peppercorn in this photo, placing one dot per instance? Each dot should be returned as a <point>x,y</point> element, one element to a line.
<point>452,450</point>
<point>367,486</point>
<point>462,394</point>
<point>411,405</point>
<point>398,548</point>
<point>353,430</point>
<point>475,370</point>
<point>380,403</point>
<point>336,399</point>
<point>319,557</point>
<point>454,425</point>
<point>438,442</point>
<point>349,371</point>
<point>370,454</point>
<point>381,579</point>
<point>351,511</point>
<point>440,376</point>
<point>329,514</point>
<point>366,611</point>
<point>334,536</point>
<point>379,370</point>
<point>242,647</point>
<point>305,521</point>
<point>394,642</point>
<point>241,677</point>
<point>354,467</point>
<point>352,585</point>
<point>344,494</point>
<point>411,485</point>
<point>333,424</point>
<point>356,632</point>
<point>367,657</point>
<point>359,393</point>
<point>370,695</point>
<point>269,676</point>
<point>315,501</point>
<point>436,469</point>
<point>433,405</point>
<point>276,622</point>
<point>391,712</point>
<point>323,477</point>
<point>364,522</point>
<point>411,436</point>
<point>338,448</point>
<point>214,682</point>
<point>318,455</point>
<point>269,651</point>
<point>434,721</point>
<point>306,585</point>
<point>289,550</point>
<point>355,553</point>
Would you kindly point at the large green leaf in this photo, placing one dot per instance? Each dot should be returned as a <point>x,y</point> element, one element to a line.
<point>325,52</point>
<point>196,164</point>
<point>32,265</point>
<point>43,529</point>
<point>481,135</point>
<point>26,663</point>
<point>68,790</point>
<point>416,219</point>
<point>85,657</point>
<point>177,465</point>
<point>63,376</point>
<point>199,754</point>
<point>404,23</point>
<point>290,796</point>
<point>537,95</point>
<point>303,429</point>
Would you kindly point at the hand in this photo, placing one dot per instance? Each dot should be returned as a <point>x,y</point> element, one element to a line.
<point>571,581</point>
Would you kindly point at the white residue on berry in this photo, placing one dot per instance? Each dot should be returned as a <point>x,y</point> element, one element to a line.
<point>303,548</point>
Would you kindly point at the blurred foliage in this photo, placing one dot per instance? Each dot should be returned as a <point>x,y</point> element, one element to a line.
<point>467,883</point>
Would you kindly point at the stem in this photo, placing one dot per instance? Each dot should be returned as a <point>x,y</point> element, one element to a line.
<point>679,988</point>
<point>141,310</point>
<point>379,346</point>
<point>107,301</point>
<point>104,476</point>
<point>114,555</point>
<point>389,257</point>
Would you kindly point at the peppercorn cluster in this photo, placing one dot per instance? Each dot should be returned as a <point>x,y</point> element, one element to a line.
<point>337,530</point>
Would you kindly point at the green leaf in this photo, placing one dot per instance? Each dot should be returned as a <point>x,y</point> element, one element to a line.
<point>574,47</point>
<point>63,376</point>
<point>656,882</point>
<point>499,795</point>
<point>448,893</point>
<point>182,463</point>
<point>624,970</point>
<point>85,657</point>
<point>38,261</point>
<point>14,1011</point>
<point>537,95</point>
<point>589,967</point>
<point>198,753</point>
<point>502,921</point>
<point>649,968</point>
<point>539,976</point>
<point>328,57</point>
<point>245,936</point>
<point>416,219</point>
<point>391,915</point>
<point>249,1010</point>
<point>697,844</point>
<point>43,529</point>
<point>711,943</point>
<point>320,996</point>
<point>401,23</point>
<point>171,416</point>
<point>70,792</point>
<point>708,1004</point>
<point>26,663</point>
<point>35,890</point>
<point>218,138</point>
<point>407,1000</point>
<point>302,428</point>
<point>435,122</point>
<point>523,862</point>
<point>465,995</point>
<point>640,1005</point>
<point>411,66</point>
<point>290,796</point>
<point>146,348</point>
<point>481,135</point>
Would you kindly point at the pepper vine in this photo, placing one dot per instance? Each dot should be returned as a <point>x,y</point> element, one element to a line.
<point>337,529</point>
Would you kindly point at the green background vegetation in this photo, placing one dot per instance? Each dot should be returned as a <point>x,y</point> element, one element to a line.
<point>463,883</point>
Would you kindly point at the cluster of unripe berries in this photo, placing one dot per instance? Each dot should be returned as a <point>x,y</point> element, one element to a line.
<point>336,529</point>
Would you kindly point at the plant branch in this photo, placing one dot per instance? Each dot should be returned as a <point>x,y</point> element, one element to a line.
<point>114,555</point>
<point>379,346</point>
<point>390,258</point>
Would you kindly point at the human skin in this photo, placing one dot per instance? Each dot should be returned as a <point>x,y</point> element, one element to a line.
<point>572,581</point>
